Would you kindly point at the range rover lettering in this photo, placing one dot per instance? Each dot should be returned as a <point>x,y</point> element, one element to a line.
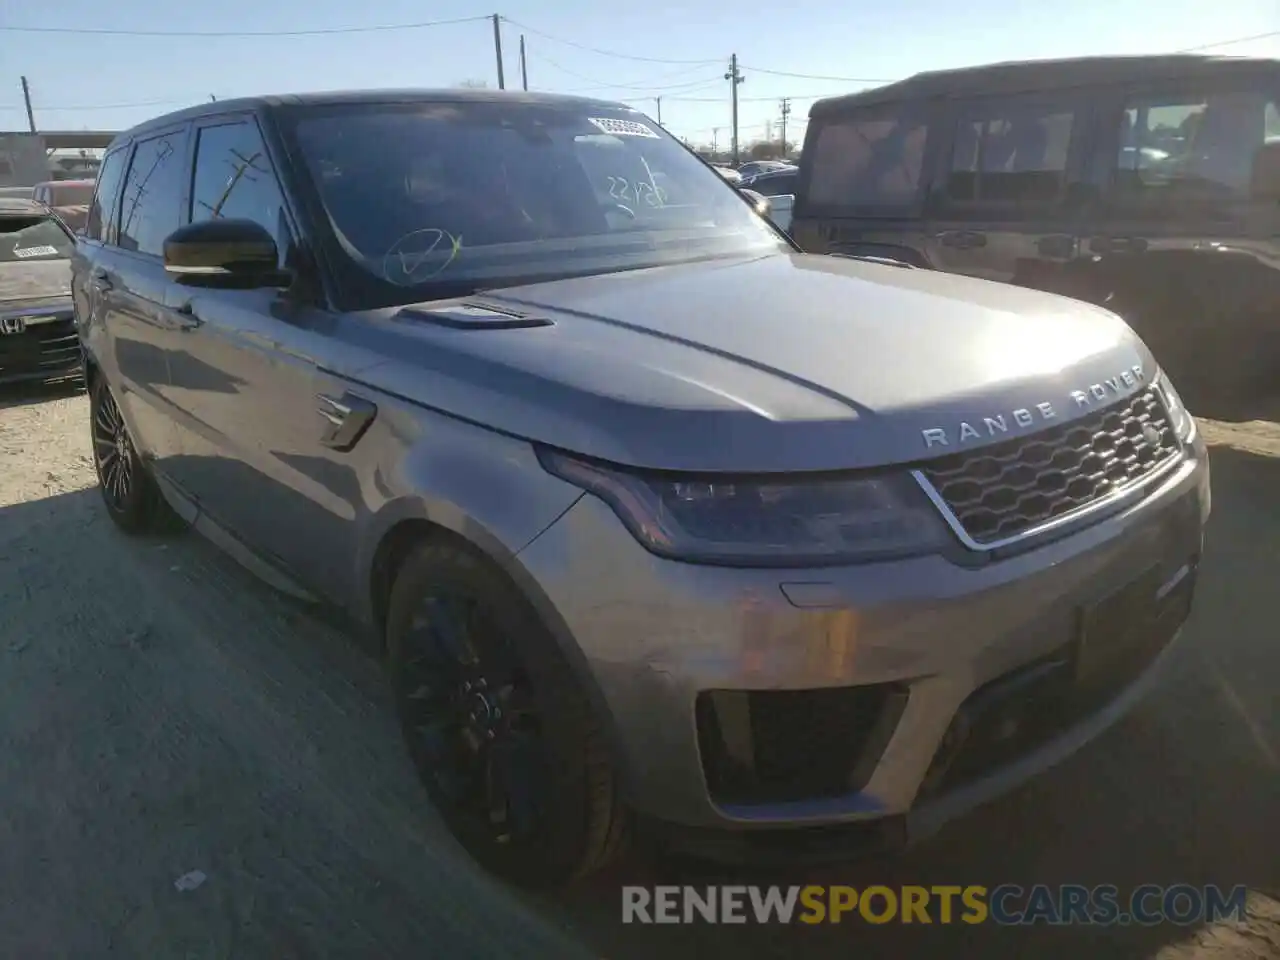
<point>661,525</point>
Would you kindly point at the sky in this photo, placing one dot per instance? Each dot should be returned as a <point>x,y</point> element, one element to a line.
<point>134,66</point>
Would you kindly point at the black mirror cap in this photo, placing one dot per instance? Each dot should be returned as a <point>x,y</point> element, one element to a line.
<point>1265,183</point>
<point>213,249</point>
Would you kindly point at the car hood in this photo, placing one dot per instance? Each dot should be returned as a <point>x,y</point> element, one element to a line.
<point>35,280</point>
<point>783,362</point>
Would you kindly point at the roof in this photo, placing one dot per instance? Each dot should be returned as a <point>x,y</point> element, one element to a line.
<point>448,95</point>
<point>21,207</point>
<point>88,182</point>
<point>1035,75</point>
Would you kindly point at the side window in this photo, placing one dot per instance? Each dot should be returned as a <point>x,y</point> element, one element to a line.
<point>1010,154</point>
<point>103,207</point>
<point>234,180</point>
<point>1191,147</point>
<point>152,202</point>
<point>872,160</point>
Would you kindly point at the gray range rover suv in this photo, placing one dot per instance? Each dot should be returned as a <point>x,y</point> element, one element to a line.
<point>662,524</point>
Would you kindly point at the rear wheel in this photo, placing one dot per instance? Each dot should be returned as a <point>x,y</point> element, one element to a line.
<point>133,502</point>
<point>503,738</point>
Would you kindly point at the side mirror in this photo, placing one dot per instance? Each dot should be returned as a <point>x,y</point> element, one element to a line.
<point>757,200</point>
<point>780,208</point>
<point>224,253</point>
<point>1265,182</point>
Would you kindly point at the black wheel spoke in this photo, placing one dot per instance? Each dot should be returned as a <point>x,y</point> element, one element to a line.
<point>473,718</point>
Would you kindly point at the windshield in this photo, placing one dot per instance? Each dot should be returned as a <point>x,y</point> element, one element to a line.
<point>429,199</point>
<point>33,238</point>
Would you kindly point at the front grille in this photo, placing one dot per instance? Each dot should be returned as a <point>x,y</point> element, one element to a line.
<point>1012,488</point>
<point>49,349</point>
<point>777,746</point>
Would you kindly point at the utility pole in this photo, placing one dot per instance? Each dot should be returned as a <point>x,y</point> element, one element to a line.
<point>212,98</point>
<point>735,77</point>
<point>497,49</point>
<point>715,142</point>
<point>786,112</point>
<point>658,101</point>
<point>26,97</point>
<point>524,66</point>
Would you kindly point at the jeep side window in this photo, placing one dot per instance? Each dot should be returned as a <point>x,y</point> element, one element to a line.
<point>150,208</point>
<point>100,223</point>
<point>1191,147</point>
<point>234,180</point>
<point>869,160</point>
<point>1011,155</point>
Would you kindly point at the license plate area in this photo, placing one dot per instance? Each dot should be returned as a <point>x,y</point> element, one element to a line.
<point>1125,630</point>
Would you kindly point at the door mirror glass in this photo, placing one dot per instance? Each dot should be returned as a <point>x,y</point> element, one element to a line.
<point>781,211</point>
<point>223,252</point>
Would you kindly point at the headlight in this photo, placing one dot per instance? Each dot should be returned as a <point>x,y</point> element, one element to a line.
<point>1184,424</point>
<point>772,521</point>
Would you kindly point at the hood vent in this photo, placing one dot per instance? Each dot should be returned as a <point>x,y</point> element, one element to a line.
<point>474,316</point>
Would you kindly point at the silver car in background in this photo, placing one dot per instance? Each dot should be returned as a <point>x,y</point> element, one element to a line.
<point>661,523</point>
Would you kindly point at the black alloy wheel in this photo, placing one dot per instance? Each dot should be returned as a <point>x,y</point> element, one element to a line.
<point>502,736</point>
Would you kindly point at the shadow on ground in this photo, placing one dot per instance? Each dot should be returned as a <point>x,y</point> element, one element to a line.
<point>29,394</point>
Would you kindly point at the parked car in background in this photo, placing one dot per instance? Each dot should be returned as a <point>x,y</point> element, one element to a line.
<point>1145,184</point>
<point>654,517</point>
<point>37,333</point>
<point>69,199</point>
<point>773,183</point>
<point>730,174</point>
<point>753,168</point>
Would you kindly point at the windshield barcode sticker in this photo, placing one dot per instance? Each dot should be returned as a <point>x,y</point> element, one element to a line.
<point>22,253</point>
<point>623,128</point>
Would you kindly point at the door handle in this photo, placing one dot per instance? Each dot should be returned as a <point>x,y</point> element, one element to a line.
<point>99,279</point>
<point>1117,245</point>
<point>1057,246</point>
<point>962,239</point>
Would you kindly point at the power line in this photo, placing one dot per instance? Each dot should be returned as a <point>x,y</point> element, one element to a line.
<point>599,84</point>
<point>814,76</point>
<point>601,52</point>
<point>321,31</point>
<point>1229,43</point>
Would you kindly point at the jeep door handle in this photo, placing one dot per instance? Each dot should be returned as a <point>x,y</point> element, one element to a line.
<point>1057,246</point>
<point>962,239</point>
<point>99,279</point>
<point>1117,245</point>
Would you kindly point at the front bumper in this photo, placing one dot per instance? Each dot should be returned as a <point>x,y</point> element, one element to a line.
<point>46,347</point>
<point>862,675</point>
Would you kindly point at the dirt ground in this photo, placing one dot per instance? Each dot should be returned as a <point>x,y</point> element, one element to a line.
<point>162,713</point>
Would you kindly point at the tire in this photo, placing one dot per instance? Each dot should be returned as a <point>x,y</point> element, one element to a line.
<point>562,817</point>
<point>133,500</point>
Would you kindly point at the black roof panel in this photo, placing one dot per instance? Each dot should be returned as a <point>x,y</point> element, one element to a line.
<point>1025,76</point>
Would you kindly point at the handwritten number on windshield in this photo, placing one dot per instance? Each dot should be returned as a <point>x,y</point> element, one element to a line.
<point>641,191</point>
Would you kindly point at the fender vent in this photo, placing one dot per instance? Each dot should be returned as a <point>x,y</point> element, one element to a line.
<point>474,316</point>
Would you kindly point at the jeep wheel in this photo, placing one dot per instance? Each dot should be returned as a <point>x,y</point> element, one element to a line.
<point>499,730</point>
<point>133,501</point>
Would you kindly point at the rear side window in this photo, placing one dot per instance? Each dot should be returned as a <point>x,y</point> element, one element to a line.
<point>868,160</point>
<point>1010,154</point>
<point>103,206</point>
<point>1192,147</point>
<point>151,206</point>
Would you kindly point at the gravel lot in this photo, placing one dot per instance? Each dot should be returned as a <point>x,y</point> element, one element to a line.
<point>162,713</point>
